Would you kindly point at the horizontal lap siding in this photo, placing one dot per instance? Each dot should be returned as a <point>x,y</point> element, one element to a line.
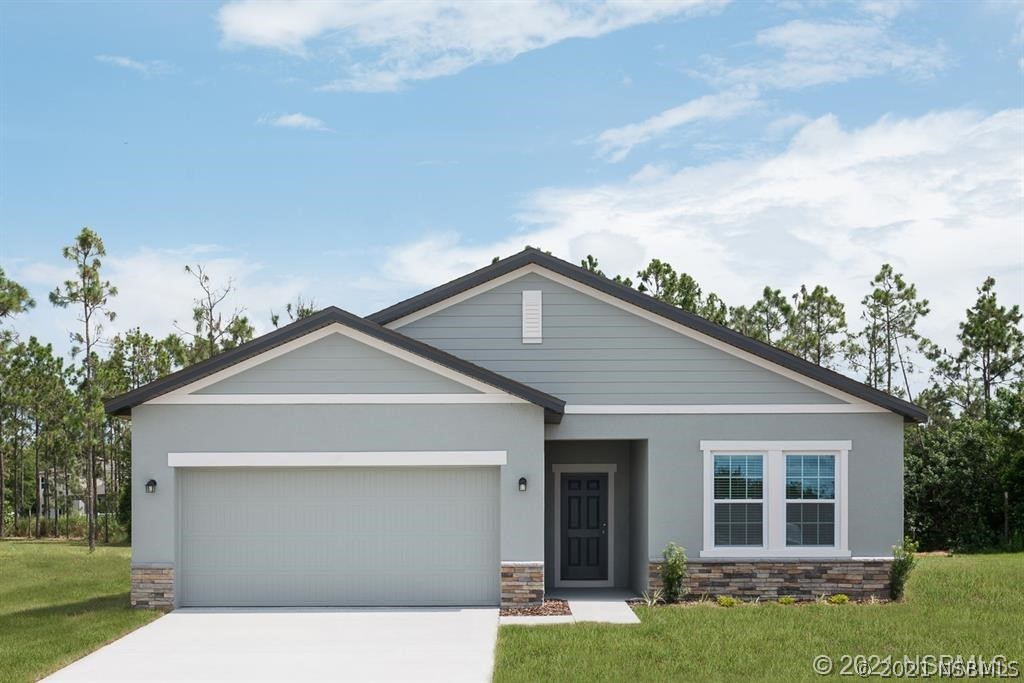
<point>336,365</point>
<point>594,353</point>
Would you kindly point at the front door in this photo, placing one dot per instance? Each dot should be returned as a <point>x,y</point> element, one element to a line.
<point>584,532</point>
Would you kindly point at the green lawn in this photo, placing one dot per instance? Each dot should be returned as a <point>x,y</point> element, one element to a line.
<point>966,605</point>
<point>58,602</point>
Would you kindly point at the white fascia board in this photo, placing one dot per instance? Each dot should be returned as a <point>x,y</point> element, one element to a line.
<point>643,313</point>
<point>327,399</point>
<point>723,409</point>
<point>339,459</point>
<point>788,446</point>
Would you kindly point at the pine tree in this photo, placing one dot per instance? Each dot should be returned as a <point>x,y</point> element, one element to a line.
<point>772,315</point>
<point>211,332</point>
<point>818,322</point>
<point>890,337</point>
<point>14,298</point>
<point>90,292</point>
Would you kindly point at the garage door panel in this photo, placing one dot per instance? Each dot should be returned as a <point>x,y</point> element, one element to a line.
<point>345,536</point>
<point>311,589</point>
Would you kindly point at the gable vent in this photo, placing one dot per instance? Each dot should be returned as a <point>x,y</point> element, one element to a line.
<point>531,316</point>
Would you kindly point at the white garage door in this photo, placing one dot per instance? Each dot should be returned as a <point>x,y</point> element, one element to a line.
<point>341,536</point>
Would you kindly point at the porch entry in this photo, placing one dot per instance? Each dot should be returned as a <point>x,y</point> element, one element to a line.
<point>584,526</point>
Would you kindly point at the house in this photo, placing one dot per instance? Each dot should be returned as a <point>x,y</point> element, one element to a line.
<point>527,427</point>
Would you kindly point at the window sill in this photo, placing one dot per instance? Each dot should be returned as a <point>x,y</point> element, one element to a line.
<point>773,554</point>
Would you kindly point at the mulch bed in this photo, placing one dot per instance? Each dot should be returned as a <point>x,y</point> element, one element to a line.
<point>550,608</point>
<point>706,601</point>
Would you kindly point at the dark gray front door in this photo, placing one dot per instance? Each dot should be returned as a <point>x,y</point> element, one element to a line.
<point>584,531</point>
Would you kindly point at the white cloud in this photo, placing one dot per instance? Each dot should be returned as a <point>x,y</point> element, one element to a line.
<point>884,9</point>
<point>296,120</point>
<point>812,53</point>
<point>388,44</point>
<point>785,124</point>
<point>154,67</point>
<point>615,143</point>
<point>939,196</point>
<point>828,52</point>
<point>154,291</point>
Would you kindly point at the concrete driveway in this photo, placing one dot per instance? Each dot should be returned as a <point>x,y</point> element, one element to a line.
<point>254,645</point>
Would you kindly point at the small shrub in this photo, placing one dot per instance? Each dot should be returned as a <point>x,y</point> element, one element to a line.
<point>673,572</point>
<point>903,562</point>
<point>838,599</point>
<point>726,601</point>
<point>787,600</point>
<point>653,598</point>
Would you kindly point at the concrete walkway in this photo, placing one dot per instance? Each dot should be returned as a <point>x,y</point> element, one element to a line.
<point>264,645</point>
<point>604,605</point>
<point>605,611</point>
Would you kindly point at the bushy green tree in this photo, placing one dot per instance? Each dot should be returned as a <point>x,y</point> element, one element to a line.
<point>952,492</point>
<point>964,479</point>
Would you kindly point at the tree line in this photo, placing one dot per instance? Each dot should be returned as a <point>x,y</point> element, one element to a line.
<point>963,474</point>
<point>65,466</point>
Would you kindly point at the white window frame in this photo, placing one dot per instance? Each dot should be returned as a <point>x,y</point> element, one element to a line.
<point>774,497</point>
<point>833,501</point>
<point>762,501</point>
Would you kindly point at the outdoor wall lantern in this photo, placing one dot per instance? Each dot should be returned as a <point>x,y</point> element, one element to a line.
<point>522,483</point>
<point>151,486</point>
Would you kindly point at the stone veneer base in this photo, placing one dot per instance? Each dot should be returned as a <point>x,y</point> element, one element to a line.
<point>152,587</point>
<point>770,579</point>
<point>522,584</point>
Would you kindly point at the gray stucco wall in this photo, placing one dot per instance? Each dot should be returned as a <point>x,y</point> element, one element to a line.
<point>593,352</point>
<point>676,463</point>
<point>592,452</point>
<point>336,364</point>
<point>160,429</point>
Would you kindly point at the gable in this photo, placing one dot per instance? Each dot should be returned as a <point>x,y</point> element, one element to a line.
<point>336,364</point>
<point>595,352</point>
<point>342,364</point>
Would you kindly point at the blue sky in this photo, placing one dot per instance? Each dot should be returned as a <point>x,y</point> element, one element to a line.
<point>358,153</point>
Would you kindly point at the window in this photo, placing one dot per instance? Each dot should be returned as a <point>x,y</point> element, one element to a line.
<point>739,506</point>
<point>810,500</point>
<point>775,498</point>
